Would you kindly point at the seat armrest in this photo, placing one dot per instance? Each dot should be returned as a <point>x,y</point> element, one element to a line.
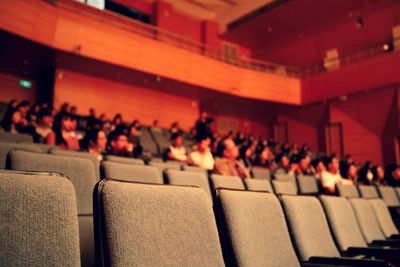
<point>348,261</point>
<point>380,253</point>
<point>394,243</point>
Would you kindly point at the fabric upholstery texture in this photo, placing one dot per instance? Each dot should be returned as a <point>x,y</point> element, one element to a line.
<point>383,216</point>
<point>347,190</point>
<point>124,160</point>
<point>284,187</point>
<point>343,222</point>
<point>231,182</point>
<point>388,194</point>
<point>158,225</point>
<point>368,191</point>
<point>197,179</point>
<point>307,184</point>
<point>259,173</point>
<point>5,148</point>
<point>367,220</point>
<point>309,227</point>
<point>256,229</point>
<point>258,185</point>
<point>162,166</point>
<point>194,169</point>
<point>78,154</point>
<point>11,137</point>
<point>79,170</point>
<point>131,172</point>
<point>38,218</point>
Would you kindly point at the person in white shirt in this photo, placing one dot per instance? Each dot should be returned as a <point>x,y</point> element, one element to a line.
<point>202,156</point>
<point>331,176</point>
<point>176,151</point>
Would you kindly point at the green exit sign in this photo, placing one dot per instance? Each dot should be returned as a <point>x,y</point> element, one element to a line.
<point>25,84</point>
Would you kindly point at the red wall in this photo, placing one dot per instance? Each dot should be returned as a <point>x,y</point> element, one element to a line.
<point>10,89</point>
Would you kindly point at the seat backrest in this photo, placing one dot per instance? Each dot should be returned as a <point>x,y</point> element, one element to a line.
<point>124,160</point>
<point>260,173</point>
<point>368,191</point>
<point>307,184</point>
<point>11,137</point>
<point>131,172</point>
<point>197,179</point>
<point>366,220</point>
<point>147,141</point>
<point>194,169</point>
<point>39,223</point>
<point>5,148</point>
<point>388,194</point>
<point>256,229</point>
<point>155,225</point>
<point>383,216</point>
<point>398,191</point>
<point>258,185</point>
<point>231,182</point>
<point>162,166</point>
<point>284,187</point>
<point>78,154</point>
<point>309,227</point>
<point>347,190</point>
<point>343,222</point>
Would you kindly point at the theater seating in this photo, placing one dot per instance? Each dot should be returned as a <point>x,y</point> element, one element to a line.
<point>389,195</point>
<point>231,182</point>
<point>124,160</point>
<point>347,190</point>
<point>12,137</point>
<point>155,225</point>
<point>307,185</point>
<point>162,166</point>
<point>368,191</point>
<point>194,169</point>
<point>5,148</point>
<point>385,221</point>
<point>284,187</point>
<point>147,142</point>
<point>259,173</point>
<point>258,185</point>
<point>38,218</point>
<point>131,172</point>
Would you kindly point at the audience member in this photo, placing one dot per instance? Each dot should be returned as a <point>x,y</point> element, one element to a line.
<point>119,145</point>
<point>331,176</point>
<point>202,156</point>
<point>392,175</point>
<point>379,176</point>
<point>63,134</point>
<point>176,151</point>
<point>44,125</point>
<point>96,141</point>
<point>282,162</point>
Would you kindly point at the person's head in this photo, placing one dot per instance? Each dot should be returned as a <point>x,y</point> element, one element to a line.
<point>97,139</point>
<point>352,171</point>
<point>12,104</point>
<point>103,117</point>
<point>318,165</point>
<point>294,162</point>
<point>23,107</point>
<point>64,107</point>
<point>34,109</point>
<point>227,149</point>
<point>378,173</point>
<point>118,142</point>
<point>392,172</point>
<point>44,118</point>
<point>282,160</point>
<point>203,143</point>
<point>136,124</point>
<point>117,119</point>
<point>304,162</point>
<point>176,140</point>
<point>74,110</point>
<point>92,112</point>
<point>155,123</point>
<point>331,164</point>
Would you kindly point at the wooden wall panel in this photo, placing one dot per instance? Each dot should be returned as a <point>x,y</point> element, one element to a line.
<point>10,89</point>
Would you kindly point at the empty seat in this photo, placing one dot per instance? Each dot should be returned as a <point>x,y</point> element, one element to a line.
<point>231,182</point>
<point>389,195</point>
<point>79,154</point>
<point>194,169</point>
<point>307,185</point>
<point>131,172</point>
<point>258,185</point>
<point>161,141</point>
<point>368,191</point>
<point>124,160</point>
<point>38,218</point>
<point>162,166</point>
<point>382,214</point>
<point>284,187</point>
<point>155,225</point>
<point>147,142</point>
<point>256,229</point>
<point>260,173</point>
<point>197,179</point>
<point>82,175</point>
<point>5,148</point>
<point>347,190</point>
<point>11,137</point>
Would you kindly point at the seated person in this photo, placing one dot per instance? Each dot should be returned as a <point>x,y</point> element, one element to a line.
<point>44,124</point>
<point>226,163</point>
<point>318,167</point>
<point>332,176</point>
<point>202,156</point>
<point>176,151</point>
<point>392,175</point>
<point>96,141</point>
<point>378,176</point>
<point>119,145</point>
<point>282,162</point>
<point>63,134</point>
<point>305,166</point>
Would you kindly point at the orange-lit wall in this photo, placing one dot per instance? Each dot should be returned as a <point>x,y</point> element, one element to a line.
<point>10,89</point>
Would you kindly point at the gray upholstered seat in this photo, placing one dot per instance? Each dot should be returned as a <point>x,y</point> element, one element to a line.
<point>343,222</point>
<point>131,172</point>
<point>157,225</point>
<point>258,185</point>
<point>309,227</point>
<point>124,160</point>
<point>260,173</point>
<point>366,220</point>
<point>162,166</point>
<point>194,169</point>
<point>11,137</point>
<point>197,179</point>
<point>82,175</point>
<point>347,190</point>
<point>383,216</point>
<point>231,182</point>
<point>307,184</point>
<point>78,154</point>
<point>147,141</point>
<point>368,191</point>
<point>398,191</point>
<point>5,148</point>
<point>256,229</point>
<point>389,195</point>
<point>284,187</point>
<point>39,223</point>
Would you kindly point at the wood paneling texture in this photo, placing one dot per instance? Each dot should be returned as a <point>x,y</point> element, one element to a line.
<point>10,89</point>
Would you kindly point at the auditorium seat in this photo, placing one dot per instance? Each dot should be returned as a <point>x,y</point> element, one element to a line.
<point>131,172</point>
<point>260,173</point>
<point>385,221</point>
<point>368,191</point>
<point>79,154</point>
<point>113,158</point>
<point>231,182</point>
<point>307,185</point>
<point>38,218</point>
<point>256,231</point>
<point>162,166</point>
<point>284,187</point>
<point>190,178</point>
<point>389,195</point>
<point>194,169</point>
<point>347,190</point>
<point>6,147</point>
<point>160,140</point>
<point>155,225</point>
<point>147,142</point>
<point>258,185</point>
<point>82,175</point>
<point>11,137</point>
